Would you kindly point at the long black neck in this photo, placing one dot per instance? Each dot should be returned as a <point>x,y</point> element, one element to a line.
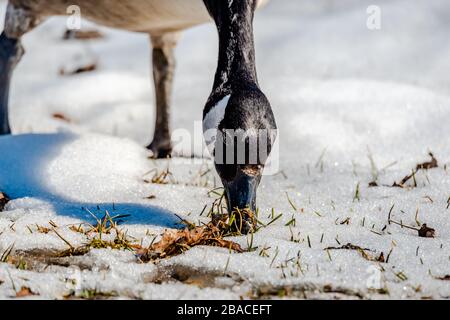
<point>10,53</point>
<point>236,66</point>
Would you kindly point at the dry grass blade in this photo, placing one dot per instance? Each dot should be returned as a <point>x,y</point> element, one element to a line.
<point>5,256</point>
<point>390,213</point>
<point>402,183</point>
<point>106,224</point>
<point>291,202</point>
<point>444,278</point>
<point>357,195</point>
<point>62,238</point>
<point>202,177</point>
<point>433,163</point>
<point>424,231</point>
<point>243,221</point>
<point>82,35</point>
<point>216,191</point>
<point>360,250</point>
<point>160,177</point>
<point>240,221</point>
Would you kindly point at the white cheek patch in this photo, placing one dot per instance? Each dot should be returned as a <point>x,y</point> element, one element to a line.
<point>211,122</point>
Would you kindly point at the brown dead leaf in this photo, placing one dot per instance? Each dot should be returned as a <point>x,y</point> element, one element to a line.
<point>175,242</point>
<point>25,292</point>
<point>62,117</point>
<point>381,258</point>
<point>433,163</point>
<point>3,200</point>
<point>426,232</point>
<point>43,230</point>
<point>373,184</point>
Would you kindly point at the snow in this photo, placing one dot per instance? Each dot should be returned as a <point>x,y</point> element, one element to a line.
<point>341,93</point>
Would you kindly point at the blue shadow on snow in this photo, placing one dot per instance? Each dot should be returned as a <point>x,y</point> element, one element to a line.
<point>23,160</point>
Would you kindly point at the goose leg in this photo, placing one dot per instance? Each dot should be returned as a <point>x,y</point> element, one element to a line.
<point>18,21</point>
<point>163,74</point>
<point>10,54</point>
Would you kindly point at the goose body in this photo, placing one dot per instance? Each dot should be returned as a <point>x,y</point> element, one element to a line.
<point>236,104</point>
<point>151,16</point>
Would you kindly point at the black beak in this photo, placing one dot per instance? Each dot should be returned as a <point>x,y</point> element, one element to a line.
<point>241,199</point>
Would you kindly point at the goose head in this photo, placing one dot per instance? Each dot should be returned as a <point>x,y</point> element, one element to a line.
<point>240,130</point>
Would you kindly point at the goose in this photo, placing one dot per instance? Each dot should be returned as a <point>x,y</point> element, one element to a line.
<point>237,116</point>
